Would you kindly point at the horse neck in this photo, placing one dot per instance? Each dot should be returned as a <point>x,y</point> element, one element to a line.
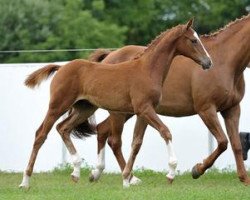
<point>231,46</point>
<point>159,55</point>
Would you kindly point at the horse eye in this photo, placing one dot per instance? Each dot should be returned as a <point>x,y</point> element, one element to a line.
<point>194,41</point>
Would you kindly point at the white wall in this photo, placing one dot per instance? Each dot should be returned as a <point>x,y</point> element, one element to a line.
<point>22,110</point>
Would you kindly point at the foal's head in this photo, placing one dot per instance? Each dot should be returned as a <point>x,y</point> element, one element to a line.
<point>189,44</point>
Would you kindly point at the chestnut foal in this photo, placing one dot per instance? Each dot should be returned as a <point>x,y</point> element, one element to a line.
<point>131,87</point>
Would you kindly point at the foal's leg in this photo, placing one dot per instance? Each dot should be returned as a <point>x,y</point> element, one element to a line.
<point>117,121</point>
<point>231,118</point>
<point>111,129</point>
<point>79,114</point>
<point>41,134</point>
<point>149,115</point>
<point>139,130</point>
<point>103,132</point>
<point>210,118</point>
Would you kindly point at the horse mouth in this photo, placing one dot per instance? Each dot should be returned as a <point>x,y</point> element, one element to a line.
<point>206,64</point>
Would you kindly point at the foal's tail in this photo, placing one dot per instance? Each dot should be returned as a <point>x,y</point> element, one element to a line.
<point>99,55</point>
<point>39,75</point>
<point>85,129</point>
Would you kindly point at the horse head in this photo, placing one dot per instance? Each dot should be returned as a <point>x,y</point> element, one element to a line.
<point>190,45</point>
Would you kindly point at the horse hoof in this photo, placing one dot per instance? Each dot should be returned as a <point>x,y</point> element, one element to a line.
<point>247,182</point>
<point>170,180</point>
<point>24,187</point>
<point>135,181</point>
<point>126,184</point>
<point>91,178</point>
<point>74,178</point>
<point>195,173</point>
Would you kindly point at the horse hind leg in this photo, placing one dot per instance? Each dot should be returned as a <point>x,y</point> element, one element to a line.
<point>231,117</point>
<point>41,135</point>
<point>103,132</point>
<point>210,118</point>
<point>79,114</point>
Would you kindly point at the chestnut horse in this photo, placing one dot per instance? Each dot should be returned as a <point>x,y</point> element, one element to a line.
<point>205,93</point>
<point>130,87</point>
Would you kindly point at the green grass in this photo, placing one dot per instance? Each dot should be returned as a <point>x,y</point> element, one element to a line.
<point>58,185</point>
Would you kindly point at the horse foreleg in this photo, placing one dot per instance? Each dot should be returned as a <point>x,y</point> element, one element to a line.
<point>172,162</point>
<point>41,135</point>
<point>139,131</point>
<point>150,115</point>
<point>210,118</point>
<point>231,118</point>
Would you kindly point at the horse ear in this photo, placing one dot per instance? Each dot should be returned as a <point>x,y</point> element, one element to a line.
<point>190,23</point>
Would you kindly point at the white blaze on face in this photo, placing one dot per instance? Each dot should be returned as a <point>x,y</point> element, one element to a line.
<point>197,37</point>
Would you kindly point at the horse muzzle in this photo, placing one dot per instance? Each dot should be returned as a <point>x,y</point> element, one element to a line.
<point>206,63</point>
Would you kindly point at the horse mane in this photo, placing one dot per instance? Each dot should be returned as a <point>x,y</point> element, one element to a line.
<point>230,24</point>
<point>175,32</point>
<point>98,55</point>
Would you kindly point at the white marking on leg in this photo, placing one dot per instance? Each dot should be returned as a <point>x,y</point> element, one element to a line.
<point>25,181</point>
<point>135,181</point>
<point>126,183</point>
<point>96,173</point>
<point>77,161</point>
<point>197,37</point>
<point>172,162</point>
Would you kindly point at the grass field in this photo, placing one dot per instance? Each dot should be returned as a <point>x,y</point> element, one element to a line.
<point>57,185</point>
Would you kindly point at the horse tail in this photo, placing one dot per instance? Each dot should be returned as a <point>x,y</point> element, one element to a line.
<point>85,129</point>
<point>99,55</point>
<point>39,75</point>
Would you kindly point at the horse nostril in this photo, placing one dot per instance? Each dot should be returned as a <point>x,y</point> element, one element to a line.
<point>209,63</point>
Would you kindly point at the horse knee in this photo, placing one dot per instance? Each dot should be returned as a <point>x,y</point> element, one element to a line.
<point>165,134</point>
<point>101,138</point>
<point>223,144</point>
<point>114,144</point>
<point>61,130</point>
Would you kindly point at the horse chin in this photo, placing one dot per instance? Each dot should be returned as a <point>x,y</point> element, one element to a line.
<point>206,62</point>
<point>206,65</point>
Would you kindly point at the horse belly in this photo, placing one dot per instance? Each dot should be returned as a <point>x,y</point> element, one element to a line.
<point>175,109</point>
<point>111,103</point>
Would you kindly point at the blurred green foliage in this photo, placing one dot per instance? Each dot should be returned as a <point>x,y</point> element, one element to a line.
<point>71,24</point>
